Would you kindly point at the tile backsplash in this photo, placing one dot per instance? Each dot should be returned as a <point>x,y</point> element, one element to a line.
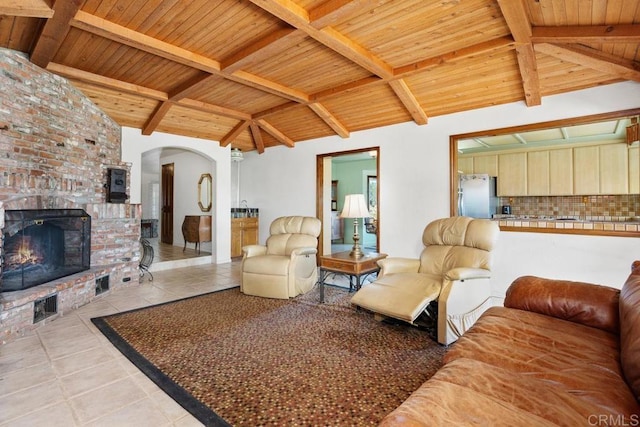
<point>597,208</point>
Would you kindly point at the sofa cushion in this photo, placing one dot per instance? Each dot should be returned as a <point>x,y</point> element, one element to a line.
<point>267,264</point>
<point>568,356</point>
<point>630,330</point>
<point>495,396</point>
<point>585,303</point>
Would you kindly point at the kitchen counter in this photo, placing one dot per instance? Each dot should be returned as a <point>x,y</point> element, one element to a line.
<point>613,226</point>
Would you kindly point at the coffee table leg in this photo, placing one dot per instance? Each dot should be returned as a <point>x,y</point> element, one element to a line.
<point>357,283</point>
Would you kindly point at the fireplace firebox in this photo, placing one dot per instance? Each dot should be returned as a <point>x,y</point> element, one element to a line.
<point>41,245</point>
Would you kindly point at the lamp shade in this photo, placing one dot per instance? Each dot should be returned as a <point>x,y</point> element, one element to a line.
<point>354,207</point>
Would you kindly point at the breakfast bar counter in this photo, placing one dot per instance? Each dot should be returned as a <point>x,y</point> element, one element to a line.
<point>621,227</point>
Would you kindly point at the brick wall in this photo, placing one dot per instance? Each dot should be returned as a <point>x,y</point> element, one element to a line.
<point>55,149</point>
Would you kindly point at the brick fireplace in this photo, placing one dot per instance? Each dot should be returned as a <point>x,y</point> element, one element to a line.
<point>57,147</point>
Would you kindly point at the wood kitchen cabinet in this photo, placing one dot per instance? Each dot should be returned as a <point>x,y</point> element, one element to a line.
<point>614,169</point>
<point>561,172</point>
<point>465,165</point>
<point>486,164</point>
<point>601,169</point>
<point>244,231</point>
<point>634,170</point>
<point>586,170</point>
<point>538,173</point>
<point>512,174</point>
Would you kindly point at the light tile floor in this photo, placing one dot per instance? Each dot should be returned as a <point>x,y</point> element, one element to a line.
<point>66,373</point>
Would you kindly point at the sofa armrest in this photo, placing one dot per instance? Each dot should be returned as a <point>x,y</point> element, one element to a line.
<point>254,250</point>
<point>398,265</point>
<point>303,251</point>
<point>464,273</point>
<point>578,302</point>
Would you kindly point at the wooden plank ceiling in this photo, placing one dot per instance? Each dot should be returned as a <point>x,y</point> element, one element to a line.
<point>260,73</point>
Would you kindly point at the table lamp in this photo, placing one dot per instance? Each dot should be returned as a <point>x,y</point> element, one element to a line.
<point>355,207</point>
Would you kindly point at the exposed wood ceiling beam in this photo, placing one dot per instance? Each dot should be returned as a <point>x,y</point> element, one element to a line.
<point>257,137</point>
<point>26,8</point>
<point>117,85</point>
<point>518,21</point>
<point>330,119</point>
<point>345,88</point>
<point>124,35</point>
<point>629,33</point>
<point>214,109</point>
<point>528,66</point>
<point>265,85</point>
<point>332,11</point>
<point>106,82</point>
<point>156,117</point>
<point>298,17</point>
<point>267,127</point>
<point>592,58</point>
<point>410,102</point>
<point>54,32</point>
<point>115,32</point>
<point>495,44</point>
<point>188,87</point>
<point>234,133</point>
<point>276,42</point>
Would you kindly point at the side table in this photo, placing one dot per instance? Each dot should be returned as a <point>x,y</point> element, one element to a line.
<point>342,263</point>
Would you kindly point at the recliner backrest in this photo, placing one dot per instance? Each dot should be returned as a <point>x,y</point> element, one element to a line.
<point>457,242</point>
<point>290,232</point>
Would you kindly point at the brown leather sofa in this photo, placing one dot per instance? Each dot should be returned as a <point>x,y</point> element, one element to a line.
<point>558,353</point>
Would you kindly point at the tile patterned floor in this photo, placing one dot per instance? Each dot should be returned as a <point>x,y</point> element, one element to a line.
<point>66,373</point>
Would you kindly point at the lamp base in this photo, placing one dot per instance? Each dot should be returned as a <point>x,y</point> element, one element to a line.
<point>356,252</point>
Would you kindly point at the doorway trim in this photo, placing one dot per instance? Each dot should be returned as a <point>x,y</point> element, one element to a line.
<point>321,184</point>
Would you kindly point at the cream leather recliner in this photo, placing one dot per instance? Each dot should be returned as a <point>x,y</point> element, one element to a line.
<point>286,265</point>
<point>454,269</point>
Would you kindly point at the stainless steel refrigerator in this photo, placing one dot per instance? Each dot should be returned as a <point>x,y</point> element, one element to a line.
<point>477,195</point>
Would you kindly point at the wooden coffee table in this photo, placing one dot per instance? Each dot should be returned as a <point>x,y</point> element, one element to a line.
<point>342,263</point>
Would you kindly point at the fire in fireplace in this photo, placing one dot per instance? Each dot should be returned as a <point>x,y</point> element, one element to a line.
<point>41,245</point>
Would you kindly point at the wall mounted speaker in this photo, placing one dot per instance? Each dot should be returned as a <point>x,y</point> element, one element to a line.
<point>116,185</point>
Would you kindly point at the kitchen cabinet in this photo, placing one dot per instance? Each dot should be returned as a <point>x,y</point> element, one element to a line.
<point>561,172</point>
<point>538,173</point>
<point>634,170</point>
<point>244,231</point>
<point>465,165</point>
<point>486,164</point>
<point>614,167</point>
<point>586,170</point>
<point>512,174</point>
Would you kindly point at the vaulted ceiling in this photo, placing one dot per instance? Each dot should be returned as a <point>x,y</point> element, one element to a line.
<point>260,73</point>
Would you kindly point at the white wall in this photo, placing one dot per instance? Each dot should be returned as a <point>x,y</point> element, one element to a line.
<point>414,187</point>
<point>134,144</point>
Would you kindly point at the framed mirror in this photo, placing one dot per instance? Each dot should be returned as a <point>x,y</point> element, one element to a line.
<point>204,192</point>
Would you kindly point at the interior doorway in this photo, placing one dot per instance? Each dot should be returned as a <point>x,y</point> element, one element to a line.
<point>166,220</point>
<point>339,174</point>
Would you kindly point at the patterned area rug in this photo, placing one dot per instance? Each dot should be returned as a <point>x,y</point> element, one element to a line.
<point>233,359</point>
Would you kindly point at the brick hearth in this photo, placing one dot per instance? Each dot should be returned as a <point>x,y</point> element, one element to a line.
<point>56,149</point>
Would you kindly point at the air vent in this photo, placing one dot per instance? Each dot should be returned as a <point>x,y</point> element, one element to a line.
<point>102,284</point>
<point>45,307</point>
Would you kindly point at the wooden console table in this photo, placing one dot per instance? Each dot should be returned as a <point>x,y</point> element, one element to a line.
<point>196,229</point>
<point>342,263</point>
